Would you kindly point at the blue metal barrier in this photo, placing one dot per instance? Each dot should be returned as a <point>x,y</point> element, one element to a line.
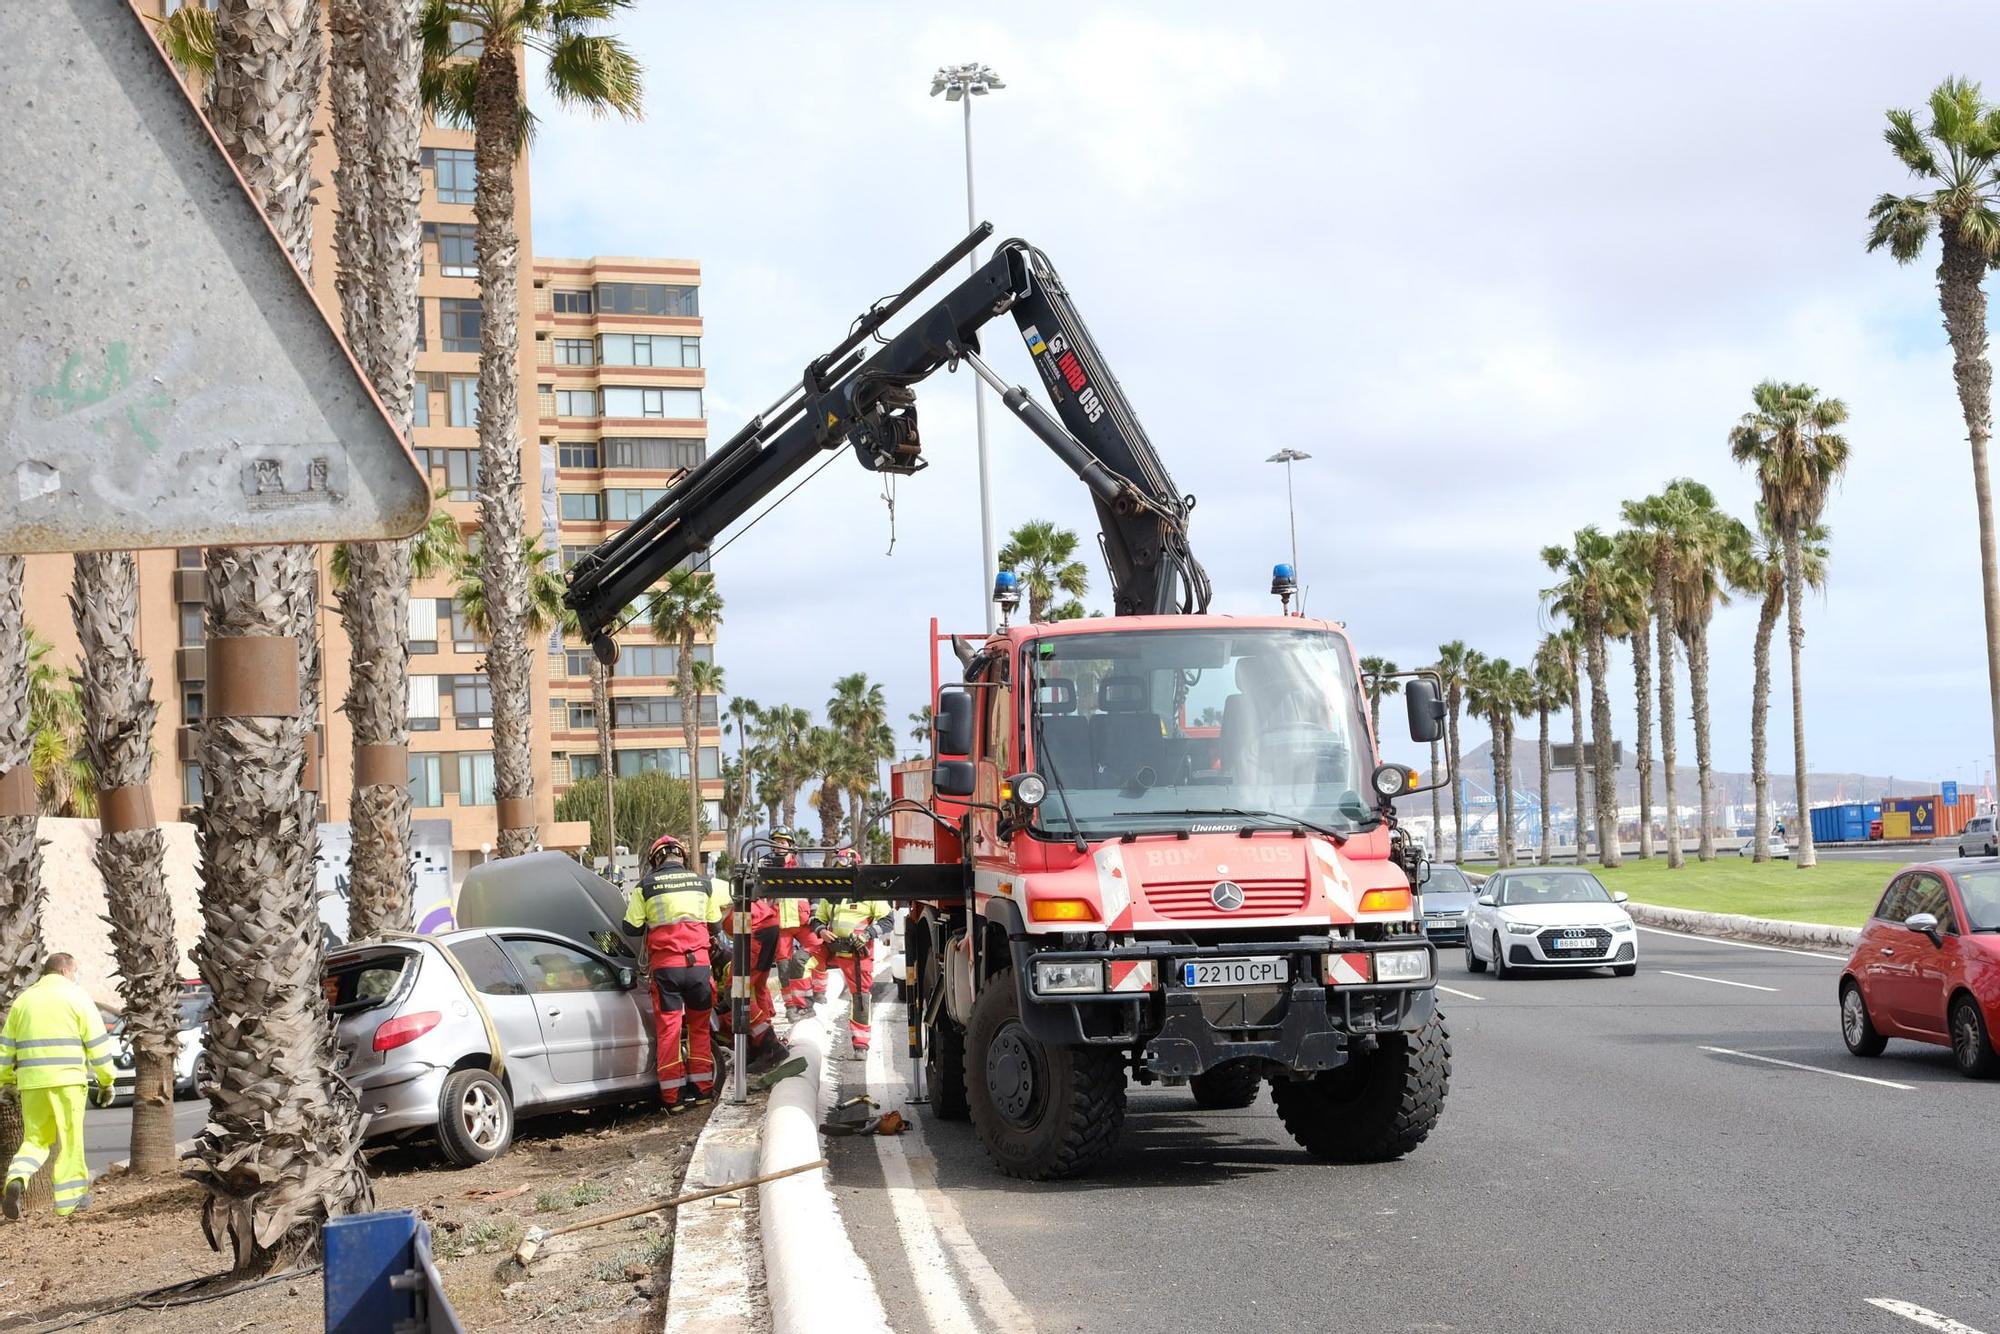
<point>380,1278</point>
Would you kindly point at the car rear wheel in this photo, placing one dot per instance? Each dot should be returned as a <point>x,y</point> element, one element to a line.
<point>475,1118</point>
<point>1227,1086</point>
<point>1971,1044</point>
<point>1857,1030</point>
<point>1473,963</point>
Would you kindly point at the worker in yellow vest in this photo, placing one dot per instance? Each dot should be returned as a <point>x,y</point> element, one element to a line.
<point>52,1047</point>
<point>678,911</point>
<point>844,937</point>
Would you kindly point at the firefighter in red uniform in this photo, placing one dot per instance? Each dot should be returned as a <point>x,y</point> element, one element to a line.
<point>764,937</point>
<point>795,937</point>
<point>676,909</point>
<point>844,936</point>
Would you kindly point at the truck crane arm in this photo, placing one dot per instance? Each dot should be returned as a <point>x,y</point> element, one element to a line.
<point>869,403</point>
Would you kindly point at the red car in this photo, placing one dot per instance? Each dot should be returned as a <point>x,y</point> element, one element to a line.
<point>1927,967</point>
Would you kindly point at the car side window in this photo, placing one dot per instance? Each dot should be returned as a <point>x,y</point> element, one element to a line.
<point>488,968</point>
<point>549,966</point>
<point>1927,894</point>
<point>1889,909</point>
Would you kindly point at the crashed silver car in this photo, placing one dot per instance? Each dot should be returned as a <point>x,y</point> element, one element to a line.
<point>537,1004</point>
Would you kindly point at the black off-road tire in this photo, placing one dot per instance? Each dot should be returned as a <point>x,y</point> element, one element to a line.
<point>1971,1045</point>
<point>1078,1103</point>
<point>455,1137</point>
<point>1227,1087</point>
<point>1375,1108</point>
<point>944,1069</point>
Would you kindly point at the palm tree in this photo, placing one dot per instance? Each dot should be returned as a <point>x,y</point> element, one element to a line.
<point>1714,554</point>
<point>485,93</point>
<point>783,732</point>
<point>118,718</point>
<point>20,850</point>
<point>921,727</point>
<point>545,608</point>
<point>64,782</point>
<point>860,709</point>
<point>1452,662</point>
<point>1789,440</point>
<point>741,717</point>
<point>1659,531</point>
<point>1378,674</point>
<point>1631,618</point>
<point>281,1151</point>
<point>1044,556</point>
<point>1764,579</point>
<point>1589,571</point>
<point>1489,692</point>
<point>834,761</point>
<point>1553,681</point>
<point>686,609</point>
<point>1957,158</point>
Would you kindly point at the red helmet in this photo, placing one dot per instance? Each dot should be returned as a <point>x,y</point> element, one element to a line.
<point>847,857</point>
<point>662,846</point>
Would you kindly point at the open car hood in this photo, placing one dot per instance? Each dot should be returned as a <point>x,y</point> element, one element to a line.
<point>547,891</point>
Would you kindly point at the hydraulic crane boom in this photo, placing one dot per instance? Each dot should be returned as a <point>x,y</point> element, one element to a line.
<point>870,403</point>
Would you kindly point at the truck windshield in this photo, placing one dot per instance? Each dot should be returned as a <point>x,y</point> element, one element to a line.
<point>1178,728</point>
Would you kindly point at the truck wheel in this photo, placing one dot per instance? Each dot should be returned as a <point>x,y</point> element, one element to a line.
<point>1376,1107</point>
<point>944,1069</point>
<point>1042,1112</point>
<point>1227,1086</point>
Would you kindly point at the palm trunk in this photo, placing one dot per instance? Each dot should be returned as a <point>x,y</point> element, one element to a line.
<point>691,736</point>
<point>1375,718</point>
<point>600,709</point>
<point>1603,775</point>
<point>118,718</point>
<point>1697,647</point>
<point>1960,275</point>
<point>1642,684</point>
<point>1795,583</point>
<point>1760,710</point>
<point>376,117</point>
<point>1453,755</point>
<point>1663,605</point>
<point>496,124</point>
<point>828,801</point>
<point>1437,805</point>
<point>1506,730</point>
<point>1576,761</point>
<point>20,850</point>
<point>281,1151</point>
<point>1542,712</point>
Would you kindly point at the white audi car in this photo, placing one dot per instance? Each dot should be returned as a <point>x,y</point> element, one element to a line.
<point>1549,917</point>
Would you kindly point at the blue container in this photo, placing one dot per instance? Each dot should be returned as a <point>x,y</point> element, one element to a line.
<point>1829,824</point>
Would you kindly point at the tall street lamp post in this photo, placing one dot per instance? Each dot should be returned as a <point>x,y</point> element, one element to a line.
<point>1288,457</point>
<point>962,83</point>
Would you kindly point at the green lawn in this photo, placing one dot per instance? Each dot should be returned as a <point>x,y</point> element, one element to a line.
<point>1836,893</point>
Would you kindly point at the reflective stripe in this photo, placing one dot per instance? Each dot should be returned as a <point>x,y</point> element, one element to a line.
<point>53,1042</point>
<point>100,1039</point>
<point>73,1205</point>
<point>23,1165</point>
<point>71,1188</point>
<point>76,1061</point>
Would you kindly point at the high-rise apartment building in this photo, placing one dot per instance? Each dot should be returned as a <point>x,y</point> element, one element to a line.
<point>451,761</point>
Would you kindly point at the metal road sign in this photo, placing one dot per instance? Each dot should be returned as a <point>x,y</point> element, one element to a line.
<point>1950,794</point>
<point>166,378</point>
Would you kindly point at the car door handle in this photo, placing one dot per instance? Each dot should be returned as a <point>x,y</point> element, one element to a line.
<point>555,1013</point>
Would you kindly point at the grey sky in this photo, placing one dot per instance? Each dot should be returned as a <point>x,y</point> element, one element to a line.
<point>1497,268</point>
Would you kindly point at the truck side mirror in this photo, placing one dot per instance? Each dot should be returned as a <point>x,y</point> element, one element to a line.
<point>954,722</point>
<point>955,778</point>
<point>1426,709</point>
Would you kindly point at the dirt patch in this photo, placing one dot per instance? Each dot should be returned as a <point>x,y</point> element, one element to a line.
<point>141,1236</point>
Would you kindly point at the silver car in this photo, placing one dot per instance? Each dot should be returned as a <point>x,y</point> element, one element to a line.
<point>1977,838</point>
<point>1447,898</point>
<point>459,1034</point>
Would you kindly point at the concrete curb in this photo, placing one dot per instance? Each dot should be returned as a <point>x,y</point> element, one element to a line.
<point>718,1267</point>
<point>811,1268</point>
<point>1758,930</point>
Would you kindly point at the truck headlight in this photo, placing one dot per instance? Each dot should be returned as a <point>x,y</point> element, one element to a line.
<point>1403,966</point>
<point>1060,979</point>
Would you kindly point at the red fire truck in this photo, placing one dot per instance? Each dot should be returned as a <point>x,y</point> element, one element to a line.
<point>1174,837</point>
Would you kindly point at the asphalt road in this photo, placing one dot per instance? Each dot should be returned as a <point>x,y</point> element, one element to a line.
<point>1614,1156</point>
<point>107,1132</point>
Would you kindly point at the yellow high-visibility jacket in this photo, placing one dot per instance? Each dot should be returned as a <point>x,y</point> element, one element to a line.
<point>54,1037</point>
<point>844,919</point>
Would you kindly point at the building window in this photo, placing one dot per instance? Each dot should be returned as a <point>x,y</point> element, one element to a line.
<point>191,792</point>
<point>460,468</point>
<point>422,344</point>
<point>458,249</point>
<point>426,780</point>
<point>582,716</point>
<point>656,659</point>
<point>188,558</point>
<point>652,455</point>
<point>458,322</point>
<point>576,402</point>
<point>646,711</point>
<point>455,173</point>
<point>420,403</point>
<point>191,706</point>
<point>576,661</point>
<point>424,701</point>
<point>647,299</point>
<point>632,401</point>
<point>464,392</point>
<point>667,759</point>
<point>472,700</point>
<point>576,454</point>
<point>582,506</point>
<point>192,630</point>
<point>465,637</point>
<point>475,779</point>
<point>574,352</point>
<point>584,766</point>
<point>572,303</point>
<point>648,350</point>
<point>571,554</point>
<point>423,625</point>
<point>622,504</point>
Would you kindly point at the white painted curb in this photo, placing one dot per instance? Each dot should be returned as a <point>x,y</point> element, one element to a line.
<point>1761,930</point>
<point>718,1269</point>
<point>814,1278</point>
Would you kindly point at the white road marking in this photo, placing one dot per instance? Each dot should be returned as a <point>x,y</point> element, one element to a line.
<point>1814,1069</point>
<point>928,1220</point>
<point>1719,981</point>
<point>1454,991</point>
<point>1928,1319</point>
<point>1744,944</point>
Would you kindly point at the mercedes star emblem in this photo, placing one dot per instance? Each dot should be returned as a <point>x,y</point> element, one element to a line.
<point>1227,895</point>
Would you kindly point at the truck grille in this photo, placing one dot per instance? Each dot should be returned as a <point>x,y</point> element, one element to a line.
<point>1261,898</point>
<point>1600,941</point>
